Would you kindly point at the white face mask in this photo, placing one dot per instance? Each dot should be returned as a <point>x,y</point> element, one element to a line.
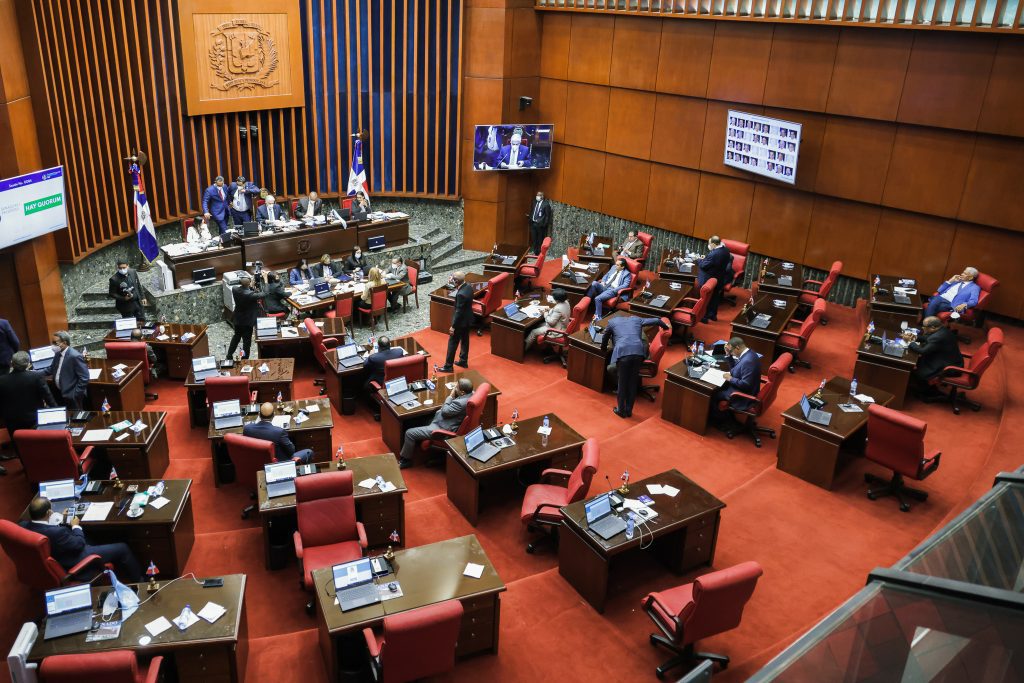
<point>359,254</point>
<point>123,271</point>
<point>551,299</point>
<point>56,348</point>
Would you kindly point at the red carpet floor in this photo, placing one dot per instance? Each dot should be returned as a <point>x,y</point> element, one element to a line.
<point>816,546</point>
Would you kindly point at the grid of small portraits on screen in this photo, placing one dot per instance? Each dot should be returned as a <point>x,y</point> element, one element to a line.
<point>768,147</point>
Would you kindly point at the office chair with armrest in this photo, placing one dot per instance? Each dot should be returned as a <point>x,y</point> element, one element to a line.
<point>413,268</point>
<point>378,306</point>
<point>321,346</point>
<point>186,223</point>
<point>973,316</point>
<point>489,303</point>
<point>295,206</point>
<point>413,367</point>
<point>531,266</point>
<point>248,455</point>
<point>474,413</point>
<point>416,643</point>
<point>132,352</point>
<point>649,368</point>
<point>818,290</point>
<point>646,238</point>
<point>796,342</point>
<point>760,403</point>
<point>327,531</point>
<point>625,294</point>
<point>343,306</point>
<point>543,502</point>
<point>228,389</point>
<point>691,311</point>
<point>558,340</point>
<point>50,454</point>
<point>35,566</point>
<point>968,378</point>
<point>896,441</point>
<point>712,604</point>
<point>115,666</point>
<point>740,252</point>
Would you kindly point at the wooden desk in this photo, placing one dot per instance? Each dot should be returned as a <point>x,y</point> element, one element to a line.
<point>380,513</point>
<point>442,303</point>
<point>685,535</point>
<point>641,305</point>
<point>314,433</point>
<point>136,456</point>
<point>587,255</point>
<point>780,280</point>
<point>670,269</point>
<point>205,653</point>
<point>812,452</point>
<point>395,232</point>
<point>344,385</point>
<point>126,393</point>
<point>878,369</point>
<point>508,337</point>
<point>278,378</point>
<point>763,340</point>
<point>222,260</point>
<point>310,307</point>
<point>886,302</point>
<point>465,475</point>
<point>297,346</point>
<point>394,420</point>
<point>176,355</point>
<point>495,264</point>
<point>427,574</point>
<point>578,290</point>
<point>282,249</point>
<point>687,400</point>
<point>587,363</point>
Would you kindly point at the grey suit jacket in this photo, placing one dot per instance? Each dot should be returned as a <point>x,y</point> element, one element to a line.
<point>74,374</point>
<point>558,317</point>
<point>452,413</point>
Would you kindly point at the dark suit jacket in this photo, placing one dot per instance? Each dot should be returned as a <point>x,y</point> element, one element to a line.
<point>263,214</point>
<point>744,376</point>
<point>21,395</point>
<point>545,214</point>
<point>352,264</point>
<point>375,364</point>
<point>74,374</point>
<point>117,293</point>
<point>249,190</point>
<point>284,449</point>
<point>67,545</point>
<point>451,414</point>
<point>717,264</point>
<point>627,336</point>
<point>274,298</point>
<point>304,209</point>
<point>505,157</point>
<point>462,316</point>
<point>938,350</point>
<point>246,301</point>
<point>213,204</point>
<point>337,268</point>
<point>9,343</point>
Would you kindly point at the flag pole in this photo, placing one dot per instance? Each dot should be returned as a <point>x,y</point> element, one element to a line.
<point>137,161</point>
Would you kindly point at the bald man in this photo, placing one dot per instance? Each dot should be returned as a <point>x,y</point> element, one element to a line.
<point>265,429</point>
<point>449,417</point>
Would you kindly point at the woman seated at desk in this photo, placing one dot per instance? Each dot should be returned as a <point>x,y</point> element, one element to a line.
<point>198,232</point>
<point>374,279</point>
<point>300,274</point>
<point>356,261</point>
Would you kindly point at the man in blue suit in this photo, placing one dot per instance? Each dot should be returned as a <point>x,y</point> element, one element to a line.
<point>9,344</point>
<point>271,210</point>
<point>744,376</point>
<point>69,370</point>
<point>514,155</point>
<point>265,429</point>
<point>240,194</point>
<point>717,264</point>
<point>215,204</point>
<point>628,353</point>
<point>617,277</point>
<point>958,293</point>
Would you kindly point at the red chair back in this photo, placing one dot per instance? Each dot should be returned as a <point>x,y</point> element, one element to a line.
<point>579,311</point>
<point>228,389</point>
<point>770,389</point>
<point>646,238</point>
<point>47,454</point>
<point>412,367</point>
<point>543,253</point>
<point>706,292</point>
<point>718,601</point>
<point>346,203</point>
<point>895,440</point>
<point>420,642</point>
<point>492,297</point>
<point>987,283</point>
<point>583,473</point>
<point>737,249</point>
<point>811,322</point>
<point>133,352</point>
<point>115,666</point>
<point>261,202</point>
<point>987,353</point>
<point>659,344</point>
<point>474,409</point>
<point>186,223</point>
<point>316,340</point>
<point>343,306</point>
<point>413,269</point>
<point>325,508</point>
<point>739,268</point>
<point>830,279</point>
<point>295,206</point>
<point>248,455</point>
<point>30,553</point>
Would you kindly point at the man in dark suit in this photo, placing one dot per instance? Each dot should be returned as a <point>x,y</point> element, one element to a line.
<point>9,344</point>
<point>629,350</point>
<point>215,204</point>
<point>514,154</point>
<point>375,361</point>
<point>275,297</point>
<point>240,194</point>
<point>449,417</point>
<point>265,429</point>
<point>328,267</point>
<point>23,391</point>
<point>462,318</point>
<point>126,291</point>
<point>271,210</point>
<point>244,319</point>
<point>939,349</point>
<point>69,370</point>
<point>717,264</point>
<point>309,206</point>
<point>68,545</point>
<point>744,376</point>
<point>540,221</point>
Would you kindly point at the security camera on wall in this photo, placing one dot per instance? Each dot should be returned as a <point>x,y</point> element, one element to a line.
<point>512,147</point>
<point>762,145</point>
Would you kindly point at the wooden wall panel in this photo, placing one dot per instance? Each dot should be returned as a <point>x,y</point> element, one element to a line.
<point>713,141</point>
<point>583,178</point>
<point>550,181</point>
<point>482,100</point>
<point>812,137</point>
<point>625,187</point>
<point>480,185</point>
<point>927,170</point>
<point>554,49</point>
<point>630,123</point>
<point>779,222</point>
<point>679,130</point>
<point>635,51</point>
<point>525,47</point>
<point>998,253</point>
<point>854,159</point>
<point>672,198</point>
<point>590,48</point>
<point>586,115</point>
<point>993,190</point>
<point>1004,98</point>
<point>912,245</point>
<point>843,231</point>
<point>723,207</point>
<point>685,58</point>
<point>485,59</point>
<point>739,62</point>
<point>800,67</point>
<point>550,105</point>
<point>869,71</point>
<point>485,214</point>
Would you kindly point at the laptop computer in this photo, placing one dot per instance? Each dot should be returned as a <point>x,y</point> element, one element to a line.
<point>893,347</point>
<point>579,278</point>
<point>51,418</point>
<point>266,327</point>
<point>814,415</point>
<point>659,300</point>
<point>348,356</point>
<point>123,327</point>
<point>68,610</point>
<point>353,583</point>
<point>478,447</point>
<point>761,321</point>
<point>227,414</point>
<point>203,367</point>
<point>280,478</point>
<point>60,493</point>
<point>203,276</point>
<point>322,290</point>
<point>512,312</point>
<point>600,518</point>
<point>41,357</point>
<point>509,260</point>
<point>398,392</point>
<point>375,243</point>
<point>596,333</point>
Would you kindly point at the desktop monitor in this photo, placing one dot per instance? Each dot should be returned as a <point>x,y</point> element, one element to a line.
<point>280,471</point>
<point>41,357</point>
<point>203,276</point>
<point>58,489</point>
<point>51,416</point>
<point>123,327</point>
<point>204,363</point>
<point>264,324</point>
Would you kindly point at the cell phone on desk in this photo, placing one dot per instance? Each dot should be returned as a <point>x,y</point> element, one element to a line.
<point>215,582</point>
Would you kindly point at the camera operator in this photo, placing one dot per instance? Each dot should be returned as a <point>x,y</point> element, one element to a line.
<point>125,289</point>
<point>246,310</point>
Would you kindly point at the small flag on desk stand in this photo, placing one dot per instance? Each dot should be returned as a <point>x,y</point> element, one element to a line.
<point>105,406</point>
<point>280,397</point>
<point>143,219</point>
<point>151,572</point>
<point>113,473</point>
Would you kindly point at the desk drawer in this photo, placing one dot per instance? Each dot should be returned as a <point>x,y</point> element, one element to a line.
<point>700,541</point>
<point>474,637</point>
<point>204,664</point>
<point>146,533</point>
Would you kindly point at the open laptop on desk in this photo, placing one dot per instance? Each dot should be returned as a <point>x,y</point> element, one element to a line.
<point>60,493</point>
<point>398,391</point>
<point>818,417</point>
<point>353,583</point>
<point>596,333</point>
<point>758,320</point>
<point>227,414</point>
<point>68,610</point>
<point>478,447</point>
<point>266,327</point>
<point>348,356</point>
<point>280,478</point>
<point>512,312</point>
<point>41,357</point>
<point>51,418</point>
<point>123,327</point>
<point>600,518</point>
<point>322,290</point>
<point>203,367</point>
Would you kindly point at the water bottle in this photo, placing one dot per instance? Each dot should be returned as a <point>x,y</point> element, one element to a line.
<point>158,490</point>
<point>547,423</point>
<point>630,525</point>
<point>700,349</point>
<point>853,387</point>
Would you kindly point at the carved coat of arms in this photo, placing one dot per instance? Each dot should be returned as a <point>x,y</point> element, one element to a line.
<point>242,56</point>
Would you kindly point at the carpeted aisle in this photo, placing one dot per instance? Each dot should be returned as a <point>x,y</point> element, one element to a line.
<point>816,546</point>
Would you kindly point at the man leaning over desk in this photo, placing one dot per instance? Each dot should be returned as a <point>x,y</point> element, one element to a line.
<point>744,376</point>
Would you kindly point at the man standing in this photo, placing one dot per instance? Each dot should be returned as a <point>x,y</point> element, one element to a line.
<point>628,353</point>
<point>244,319</point>
<point>309,206</point>
<point>605,289</point>
<point>397,272</point>
<point>215,204</point>
<point>241,194</point>
<point>717,264</point>
<point>449,417</point>
<point>540,221</point>
<point>9,344</point>
<point>126,291</point>
<point>270,211</point>
<point>958,293</point>
<point>744,376</point>
<point>265,429</point>
<point>23,391</point>
<point>462,318</point>
<point>939,348</point>
<point>69,370</point>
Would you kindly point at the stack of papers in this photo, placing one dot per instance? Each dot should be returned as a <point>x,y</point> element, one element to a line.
<point>312,407</point>
<point>864,398</point>
<point>119,366</point>
<point>473,570</point>
<point>94,373</point>
<point>714,376</point>
<point>98,435</point>
<point>282,421</point>
<point>97,512</point>
<point>300,418</point>
<point>665,489</point>
<point>212,612</point>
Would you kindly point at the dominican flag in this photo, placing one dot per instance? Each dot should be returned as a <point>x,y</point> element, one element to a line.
<point>357,174</point>
<point>143,219</point>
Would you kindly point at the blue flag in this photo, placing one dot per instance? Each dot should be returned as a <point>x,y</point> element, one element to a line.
<point>143,219</point>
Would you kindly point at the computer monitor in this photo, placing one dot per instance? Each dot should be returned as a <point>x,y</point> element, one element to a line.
<point>805,406</point>
<point>280,471</point>
<point>58,489</point>
<point>375,243</point>
<point>322,287</point>
<point>265,324</point>
<point>69,599</point>
<point>395,386</point>
<point>123,327</point>
<point>227,408</point>
<point>41,357</point>
<point>204,363</point>
<point>51,416</point>
<point>352,573</point>
<point>203,276</point>
<point>474,438</point>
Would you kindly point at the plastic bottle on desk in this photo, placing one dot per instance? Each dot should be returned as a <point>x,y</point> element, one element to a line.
<point>853,387</point>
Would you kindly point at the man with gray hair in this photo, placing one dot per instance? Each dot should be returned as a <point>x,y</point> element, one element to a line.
<point>23,391</point>
<point>744,376</point>
<point>69,370</point>
<point>449,417</point>
<point>956,294</point>
<point>270,211</point>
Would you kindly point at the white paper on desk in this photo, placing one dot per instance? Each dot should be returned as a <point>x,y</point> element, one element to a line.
<point>473,570</point>
<point>368,483</point>
<point>654,488</point>
<point>119,366</point>
<point>163,337</point>
<point>312,407</point>
<point>300,418</point>
<point>281,421</point>
<point>97,512</point>
<point>580,266</point>
<point>546,431</point>
<point>714,376</point>
<point>94,373</point>
<point>246,369</point>
<point>158,626</point>
<point>387,486</point>
<point>139,426</point>
<point>289,332</point>
<point>319,324</point>
<point>669,491</point>
<point>864,398</point>
<point>159,502</point>
<point>98,435</point>
<point>211,612</point>
<point>264,368</point>
<point>429,402</point>
<point>122,437</point>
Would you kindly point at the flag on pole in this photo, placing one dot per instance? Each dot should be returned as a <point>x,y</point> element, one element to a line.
<point>143,220</point>
<point>357,174</point>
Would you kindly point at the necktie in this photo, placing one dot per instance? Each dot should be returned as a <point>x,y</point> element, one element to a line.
<point>515,153</point>
<point>220,191</point>
<point>536,211</point>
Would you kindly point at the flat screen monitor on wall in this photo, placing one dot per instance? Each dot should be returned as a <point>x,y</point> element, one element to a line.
<point>32,205</point>
<point>512,147</point>
<point>762,145</point>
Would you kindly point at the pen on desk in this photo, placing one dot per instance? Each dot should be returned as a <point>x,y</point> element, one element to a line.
<point>124,504</point>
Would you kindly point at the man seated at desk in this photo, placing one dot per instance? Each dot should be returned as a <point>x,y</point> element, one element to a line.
<point>605,289</point>
<point>265,429</point>
<point>68,545</point>
<point>327,268</point>
<point>397,271</point>
<point>275,297</point>
<point>310,206</point>
<point>744,376</point>
<point>632,247</point>
<point>375,368</point>
<point>449,417</point>
<point>939,349</point>
<point>958,293</point>
<point>150,353</point>
<point>357,262</point>
<point>270,211</point>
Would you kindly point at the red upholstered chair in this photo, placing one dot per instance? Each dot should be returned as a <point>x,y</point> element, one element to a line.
<point>413,268</point>
<point>378,306</point>
<point>327,533</point>
<point>295,206</point>
<point>132,352</point>
<point>261,202</point>
<point>649,368</point>
<point>760,403</point>
<point>691,311</point>
<point>320,346</point>
<point>416,643</point>
<point>796,341</point>
<point>646,238</point>
<point>625,294</point>
<point>346,202</point>
<point>413,367</point>
<point>531,266</point>
<point>815,290</point>
<point>474,412</point>
<point>740,251</point>
<point>710,605</point>
<point>490,302</point>
<point>229,389</point>
<point>896,441</point>
<point>248,455</point>
<point>115,666</point>
<point>558,340</point>
<point>186,223</point>
<point>968,378</point>
<point>542,502</point>
<point>973,316</point>
<point>36,568</point>
<point>343,305</point>
<point>50,454</point>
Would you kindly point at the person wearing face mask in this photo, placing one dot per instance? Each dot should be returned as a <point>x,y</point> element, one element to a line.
<point>215,204</point>
<point>244,318</point>
<point>515,154</point>
<point>327,267</point>
<point>540,221</point>
<point>605,289</point>
<point>23,391</point>
<point>241,195</point>
<point>300,274</point>
<point>744,376</point>
<point>557,317</point>
<point>717,264</point>
<point>126,291</point>
<point>356,261</point>
<point>271,211</point>
<point>69,370</point>
<point>397,272</point>
<point>275,298</point>
<point>198,232</point>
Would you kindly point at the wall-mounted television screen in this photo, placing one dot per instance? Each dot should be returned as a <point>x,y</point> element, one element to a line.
<point>762,145</point>
<point>512,147</point>
<point>32,205</point>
